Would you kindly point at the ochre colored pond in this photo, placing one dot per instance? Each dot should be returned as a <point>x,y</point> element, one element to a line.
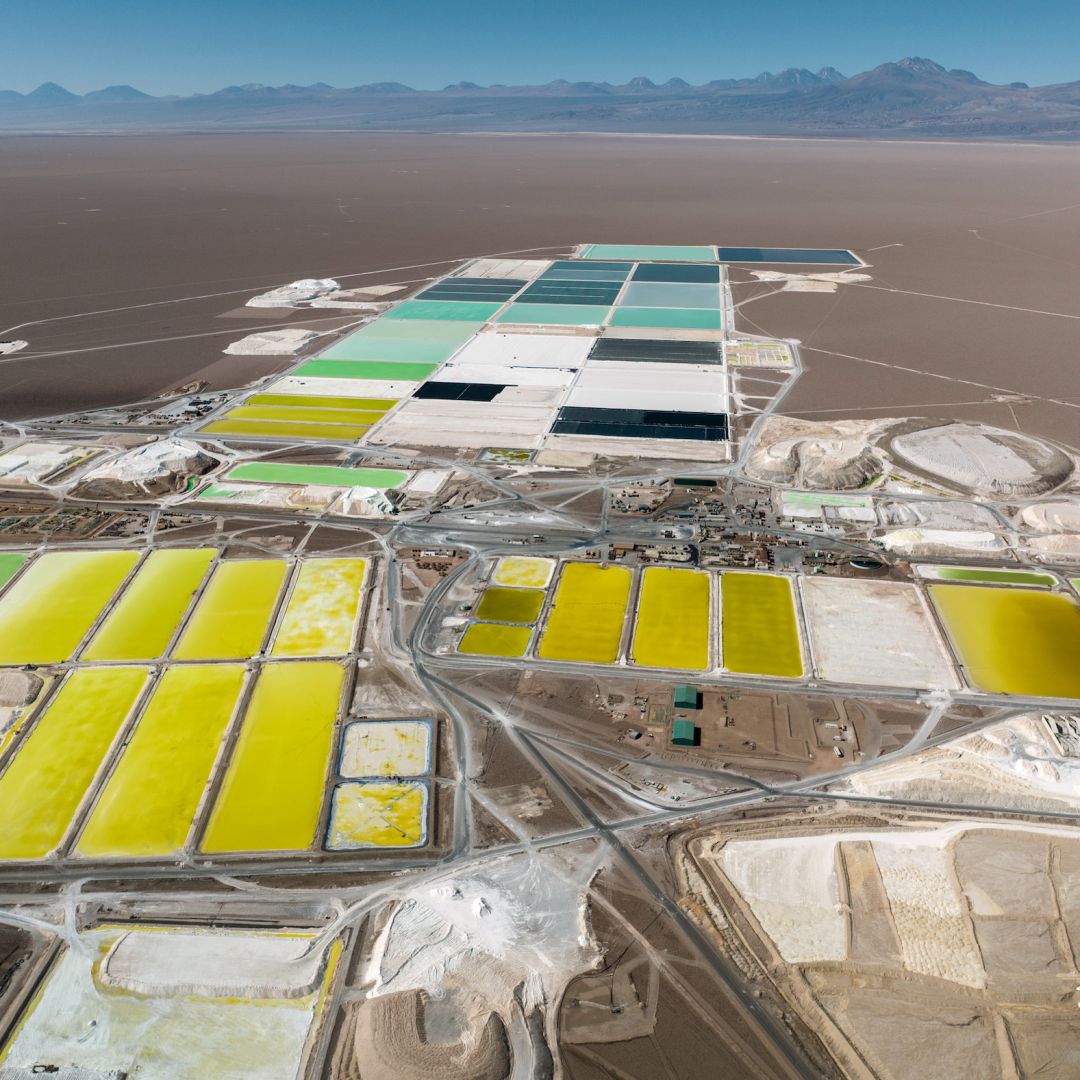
<point>150,800</point>
<point>272,794</point>
<point>493,639</point>
<point>322,609</point>
<point>54,767</point>
<point>587,618</point>
<point>232,616</point>
<point>47,612</point>
<point>510,605</point>
<point>142,624</point>
<point>760,631</point>
<point>673,619</point>
<point>1012,641</point>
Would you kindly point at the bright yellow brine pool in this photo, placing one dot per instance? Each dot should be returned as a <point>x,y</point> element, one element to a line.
<point>150,800</point>
<point>233,614</point>
<point>142,624</point>
<point>1013,641</point>
<point>673,619</point>
<point>47,612</point>
<point>760,630</point>
<point>586,620</point>
<point>54,768</point>
<point>322,609</point>
<point>272,794</point>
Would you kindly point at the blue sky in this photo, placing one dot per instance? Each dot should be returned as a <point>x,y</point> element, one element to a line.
<point>181,46</point>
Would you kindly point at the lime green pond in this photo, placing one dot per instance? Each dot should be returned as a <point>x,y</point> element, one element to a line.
<point>283,429</point>
<point>295,414</point>
<point>47,612</point>
<point>1005,577</point>
<point>55,766</point>
<point>1011,641</point>
<point>266,472</point>
<point>10,561</point>
<point>233,614</point>
<point>142,624</point>
<point>760,632</point>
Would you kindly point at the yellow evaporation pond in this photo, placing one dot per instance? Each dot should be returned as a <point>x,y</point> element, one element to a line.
<point>142,624</point>
<point>232,615</point>
<point>54,767</point>
<point>1013,641</point>
<point>491,639</point>
<point>386,748</point>
<point>150,800</point>
<point>587,619</point>
<point>322,609</point>
<point>673,619</point>
<point>760,630</point>
<point>47,612</point>
<point>272,794</point>
<point>524,571</point>
<point>376,814</point>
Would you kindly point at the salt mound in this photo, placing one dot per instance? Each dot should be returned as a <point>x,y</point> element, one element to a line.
<point>158,468</point>
<point>515,930</point>
<point>1065,548</point>
<point>18,688</point>
<point>171,963</point>
<point>982,459</point>
<point>831,457</point>
<point>939,541</point>
<point>388,1038</point>
<point>295,292</point>
<point>1052,517</point>
<point>12,346</point>
<point>285,342</point>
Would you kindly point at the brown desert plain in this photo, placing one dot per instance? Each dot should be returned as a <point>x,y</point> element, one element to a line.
<point>127,259</point>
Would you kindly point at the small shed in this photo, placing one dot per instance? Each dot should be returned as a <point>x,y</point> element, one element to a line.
<point>684,733</point>
<point>686,697</point>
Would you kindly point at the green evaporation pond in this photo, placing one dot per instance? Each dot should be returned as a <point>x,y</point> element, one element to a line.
<point>1012,641</point>
<point>450,310</point>
<point>511,605</point>
<point>1011,577</point>
<point>668,318</point>
<point>555,314</point>
<point>10,561</point>
<point>428,340</point>
<point>266,472</point>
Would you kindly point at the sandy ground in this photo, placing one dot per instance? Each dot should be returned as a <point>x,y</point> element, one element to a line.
<point>93,224</point>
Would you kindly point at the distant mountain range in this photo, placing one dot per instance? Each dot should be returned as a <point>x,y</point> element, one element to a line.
<point>913,97</point>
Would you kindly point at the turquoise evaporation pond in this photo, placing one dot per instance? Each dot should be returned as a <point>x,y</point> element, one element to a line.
<point>444,310</point>
<point>669,295</point>
<point>668,318</point>
<point>414,340</point>
<point>791,256</point>
<point>555,314</point>
<point>650,252</point>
